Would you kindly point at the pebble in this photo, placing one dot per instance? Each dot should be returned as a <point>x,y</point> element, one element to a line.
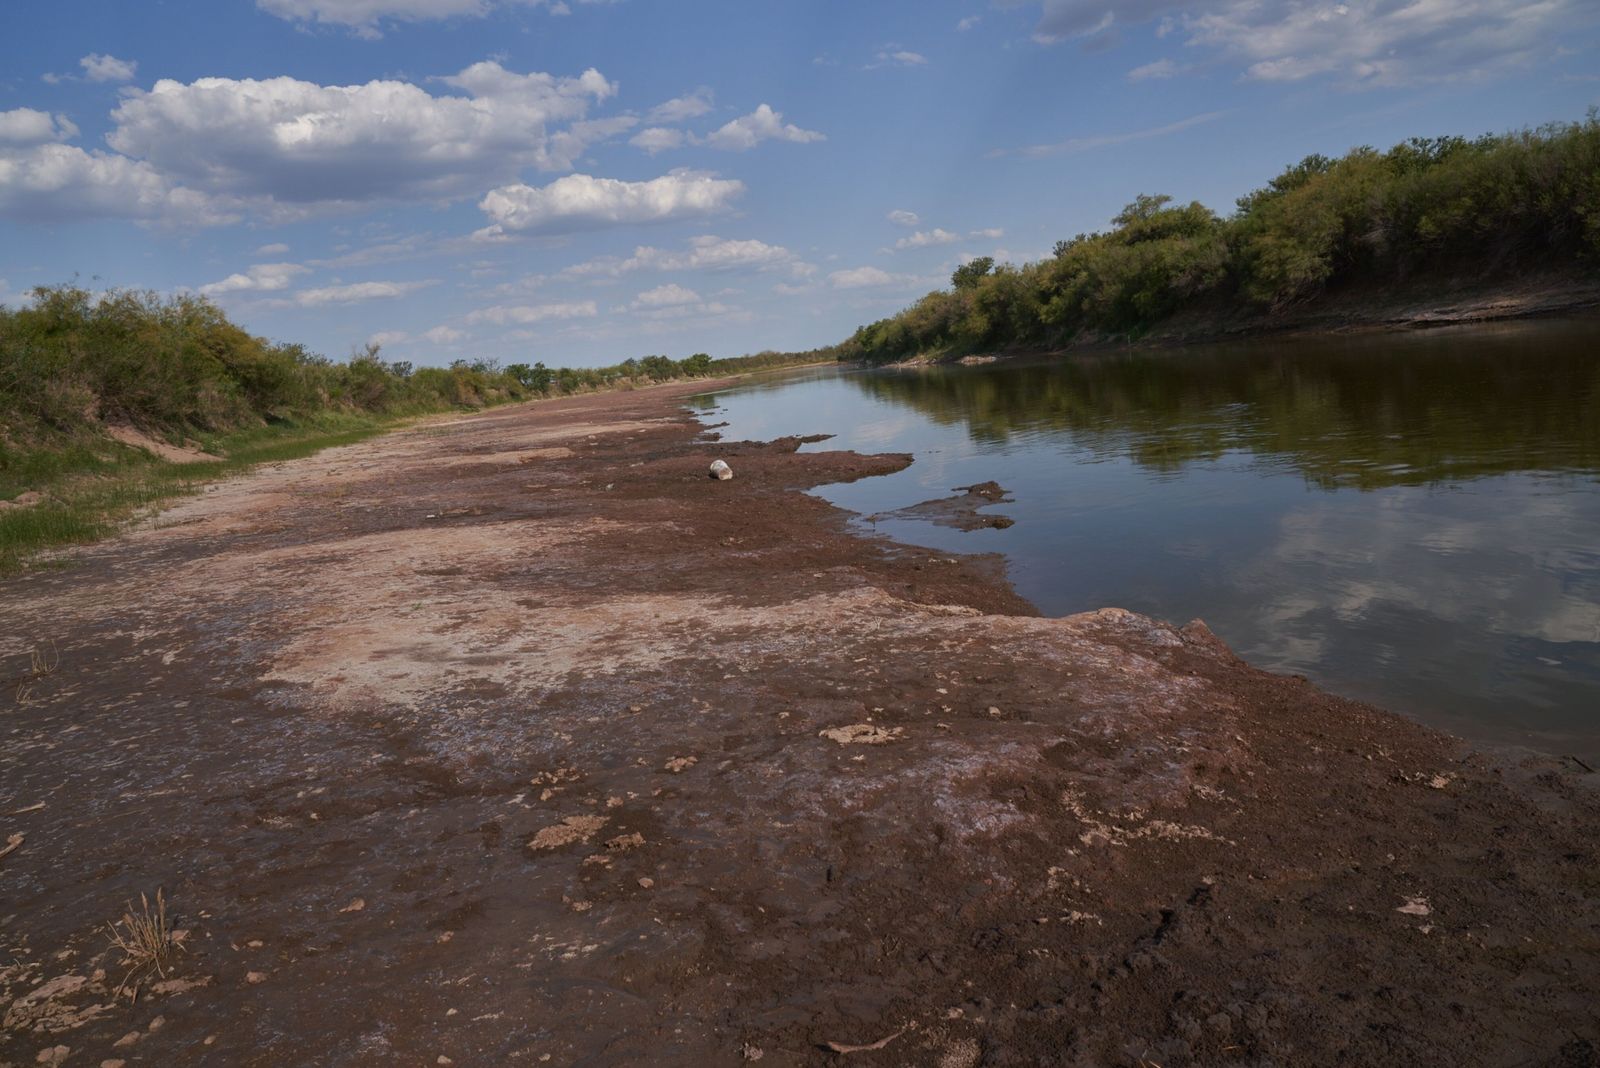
<point>255,977</point>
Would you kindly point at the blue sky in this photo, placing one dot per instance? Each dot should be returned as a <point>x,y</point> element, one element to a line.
<point>579,181</point>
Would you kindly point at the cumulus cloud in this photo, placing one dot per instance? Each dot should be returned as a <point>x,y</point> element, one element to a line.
<point>57,183</point>
<point>704,253</point>
<point>667,296</point>
<point>103,68</point>
<point>25,126</point>
<point>762,124</point>
<point>689,106</point>
<point>904,218</point>
<point>356,292</point>
<point>263,277</point>
<point>1359,42</point>
<point>968,23</point>
<point>292,144</point>
<point>581,202</point>
<point>655,139</point>
<point>927,238</point>
<point>277,248</point>
<point>388,337</point>
<point>524,314</point>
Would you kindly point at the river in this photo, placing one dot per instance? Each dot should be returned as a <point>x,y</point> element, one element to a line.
<point>1409,519</point>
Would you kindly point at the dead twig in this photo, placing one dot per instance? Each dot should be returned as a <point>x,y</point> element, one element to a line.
<point>1581,763</point>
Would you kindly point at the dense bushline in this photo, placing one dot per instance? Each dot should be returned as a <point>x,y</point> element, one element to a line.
<point>1445,208</point>
<point>72,362</point>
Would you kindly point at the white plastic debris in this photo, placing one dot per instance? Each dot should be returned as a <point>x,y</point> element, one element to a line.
<point>721,471</point>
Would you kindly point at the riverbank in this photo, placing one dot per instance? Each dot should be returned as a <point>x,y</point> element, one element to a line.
<point>515,738</point>
<point>1350,310</point>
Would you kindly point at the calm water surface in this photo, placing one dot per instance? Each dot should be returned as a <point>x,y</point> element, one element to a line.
<point>1412,520</point>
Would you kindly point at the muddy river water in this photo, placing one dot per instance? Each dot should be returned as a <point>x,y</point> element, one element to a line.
<point>1412,520</point>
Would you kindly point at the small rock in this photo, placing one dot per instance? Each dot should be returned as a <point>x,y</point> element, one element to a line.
<point>355,906</point>
<point>157,1024</point>
<point>444,1060</point>
<point>127,1040</point>
<point>53,1055</point>
<point>112,1063</point>
<point>647,882</point>
<point>255,977</point>
<point>721,471</point>
<point>861,734</point>
<point>680,764</point>
<point>1416,906</point>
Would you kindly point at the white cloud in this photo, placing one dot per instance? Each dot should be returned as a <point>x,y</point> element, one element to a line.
<point>389,337</point>
<point>25,126</point>
<point>901,57</point>
<point>863,278</point>
<point>356,292</point>
<point>262,277</point>
<point>904,218</point>
<point>667,296</point>
<point>1083,144</point>
<point>655,139</point>
<point>689,106</point>
<point>103,68</point>
<point>994,231</point>
<point>927,239</point>
<point>968,23</point>
<point>277,248</point>
<point>443,335</point>
<point>581,202</point>
<point>762,124</point>
<point>704,253</point>
<point>1359,42</point>
<point>366,16</point>
<point>58,183</point>
<point>524,314</point>
<point>1161,68</point>
<point>294,145</point>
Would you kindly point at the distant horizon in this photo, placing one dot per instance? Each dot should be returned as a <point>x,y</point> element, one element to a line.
<point>524,180</point>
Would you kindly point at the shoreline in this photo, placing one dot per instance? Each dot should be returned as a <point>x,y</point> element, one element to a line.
<point>1353,311</point>
<point>624,765</point>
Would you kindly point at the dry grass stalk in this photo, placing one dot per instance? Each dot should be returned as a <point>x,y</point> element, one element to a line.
<point>146,940</point>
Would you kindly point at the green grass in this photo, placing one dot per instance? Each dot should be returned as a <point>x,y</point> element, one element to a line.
<point>92,490</point>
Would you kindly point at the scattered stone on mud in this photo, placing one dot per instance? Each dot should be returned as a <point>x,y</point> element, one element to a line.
<point>255,977</point>
<point>625,841</point>
<point>1416,906</point>
<point>861,734</point>
<point>572,829</point>
<point>680,764</point>
<point>355,906</point>
<point>721,471</point>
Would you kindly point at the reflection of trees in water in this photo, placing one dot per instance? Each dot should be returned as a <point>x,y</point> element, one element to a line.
<point>1362,413</point>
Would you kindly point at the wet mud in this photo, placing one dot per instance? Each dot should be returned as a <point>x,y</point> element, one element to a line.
<point>515,739</point>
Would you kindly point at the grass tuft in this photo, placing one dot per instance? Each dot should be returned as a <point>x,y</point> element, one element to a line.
<point>147,942</point>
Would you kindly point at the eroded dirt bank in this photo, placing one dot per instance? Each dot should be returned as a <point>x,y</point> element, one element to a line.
<point>515,739</point>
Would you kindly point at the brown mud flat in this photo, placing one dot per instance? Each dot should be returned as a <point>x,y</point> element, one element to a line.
<point>515,739</point>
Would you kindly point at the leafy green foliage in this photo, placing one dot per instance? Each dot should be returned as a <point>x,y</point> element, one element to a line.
<point>1441,207</point>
